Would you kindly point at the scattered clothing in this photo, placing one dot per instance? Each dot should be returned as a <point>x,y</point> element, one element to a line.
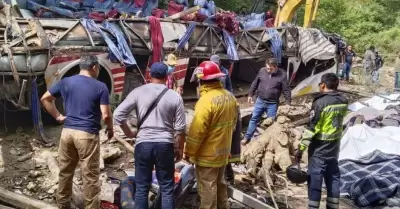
<point>230,44</point>
<point>189,31</point>
<point>276,41</point>
<point>227,21</point>
<point>372,179</point>
<point>157,39</point>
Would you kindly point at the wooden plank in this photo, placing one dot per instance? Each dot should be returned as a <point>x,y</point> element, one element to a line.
<point>22,201</point>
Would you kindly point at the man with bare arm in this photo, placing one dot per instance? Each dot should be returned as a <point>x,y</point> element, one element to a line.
<point>86,102</point>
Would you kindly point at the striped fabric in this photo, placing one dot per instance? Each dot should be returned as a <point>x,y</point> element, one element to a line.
<point>276,43</point>
<point>314,45</point>
<point>186,37</point>
<point>230,46</point>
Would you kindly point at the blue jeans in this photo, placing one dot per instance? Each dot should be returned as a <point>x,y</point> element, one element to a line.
<point>260,107</point>
<point>375,76</point>
<point>346,71</point>
<point>160,155</point>
<point>320,169</point>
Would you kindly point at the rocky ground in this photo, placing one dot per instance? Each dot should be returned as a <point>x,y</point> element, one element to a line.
<point>24,164</point>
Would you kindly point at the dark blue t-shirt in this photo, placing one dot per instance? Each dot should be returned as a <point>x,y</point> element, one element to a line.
<point>82,99</point>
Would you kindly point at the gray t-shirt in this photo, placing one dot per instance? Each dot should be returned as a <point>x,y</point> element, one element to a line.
<point>167,119</point>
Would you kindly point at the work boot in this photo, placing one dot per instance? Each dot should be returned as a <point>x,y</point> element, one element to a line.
<point>229,174</point>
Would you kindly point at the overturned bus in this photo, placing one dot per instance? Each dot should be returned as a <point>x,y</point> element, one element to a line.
<point>38,52</point>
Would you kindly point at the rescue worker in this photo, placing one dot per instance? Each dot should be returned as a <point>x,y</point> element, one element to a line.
<point>208,143</point>
<point>171,61</point>
<point>269,84</point>
<point>235,147</point>
<point>369,60</point>
<point>322,138</point>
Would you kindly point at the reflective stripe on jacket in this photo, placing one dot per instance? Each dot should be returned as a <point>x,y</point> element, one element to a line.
<point>324,131</point>
<point>208,143</point>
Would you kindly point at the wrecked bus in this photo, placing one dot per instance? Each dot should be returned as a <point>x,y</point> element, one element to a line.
<point>45,50</point>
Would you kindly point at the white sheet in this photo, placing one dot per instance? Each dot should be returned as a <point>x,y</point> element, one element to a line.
<point>360,140</point>
<point>376,102</point>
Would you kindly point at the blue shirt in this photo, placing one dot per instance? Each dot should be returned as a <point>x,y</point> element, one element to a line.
<point>82,99</point>
<point>226,81</point>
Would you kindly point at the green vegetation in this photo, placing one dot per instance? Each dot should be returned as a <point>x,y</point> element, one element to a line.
<point>361,22</point>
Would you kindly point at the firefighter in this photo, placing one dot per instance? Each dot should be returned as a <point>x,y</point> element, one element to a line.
<point>208,143</point>
<point>322,138</point>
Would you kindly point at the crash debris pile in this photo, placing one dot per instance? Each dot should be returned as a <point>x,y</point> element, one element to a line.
<point>274,147</point>
<point>200,11</point>
<point>29,171</point>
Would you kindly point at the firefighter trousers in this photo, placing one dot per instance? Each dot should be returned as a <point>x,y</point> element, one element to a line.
<point>212,187</point>
<point>320,169</point>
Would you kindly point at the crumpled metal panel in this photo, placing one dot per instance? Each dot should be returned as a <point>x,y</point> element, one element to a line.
<point>38,63</point>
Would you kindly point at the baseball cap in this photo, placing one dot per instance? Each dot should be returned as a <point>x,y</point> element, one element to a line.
<point>158,70</point>
<point>215,58</point>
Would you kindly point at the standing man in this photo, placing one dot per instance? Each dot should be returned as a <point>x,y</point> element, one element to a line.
<point>269,84</point>
<point>160,137</point>
<point>397,73</point>
<point>208,143</point>
<point>235,147</point>
<point>226,80</point>
<point>378,65</point>
<point>86,101</point>
<point>369,60</point>
<point>322,137</point>
<point>171,61</point>
<point>348,57</point>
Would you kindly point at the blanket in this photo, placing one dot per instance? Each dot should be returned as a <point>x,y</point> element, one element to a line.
<point>372,179</point>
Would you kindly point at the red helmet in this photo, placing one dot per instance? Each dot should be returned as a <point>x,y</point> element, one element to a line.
<point>208,70</point>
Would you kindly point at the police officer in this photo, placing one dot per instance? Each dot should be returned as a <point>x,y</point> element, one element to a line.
<point>322,138</point>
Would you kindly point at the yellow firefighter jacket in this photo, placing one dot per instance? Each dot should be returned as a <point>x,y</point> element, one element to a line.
<point>208,143</point>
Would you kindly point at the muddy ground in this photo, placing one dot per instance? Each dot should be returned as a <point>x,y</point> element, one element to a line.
<point>24,170</point>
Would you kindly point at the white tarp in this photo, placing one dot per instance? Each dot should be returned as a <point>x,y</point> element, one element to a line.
<point>360,140</point>
<point>377,102</point>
